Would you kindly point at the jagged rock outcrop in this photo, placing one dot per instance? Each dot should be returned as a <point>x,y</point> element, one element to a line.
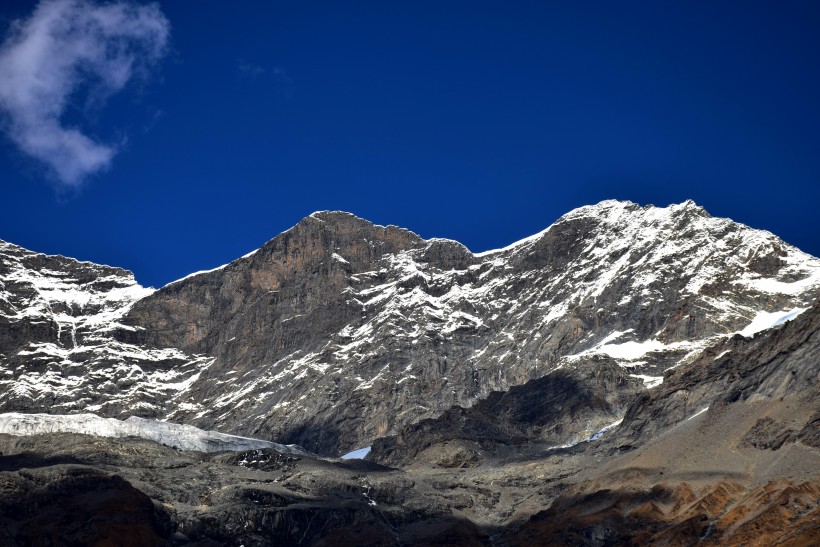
<point>561,409</point>
<point>339,331</point>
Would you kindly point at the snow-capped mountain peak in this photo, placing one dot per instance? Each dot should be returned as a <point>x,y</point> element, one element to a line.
<point>339,330</point>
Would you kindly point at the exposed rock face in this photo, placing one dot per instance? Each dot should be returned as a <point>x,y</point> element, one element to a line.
<point>559,410</point>
<point>339,331</point>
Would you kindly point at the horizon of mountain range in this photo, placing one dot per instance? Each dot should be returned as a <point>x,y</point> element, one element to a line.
<point>598,337</point>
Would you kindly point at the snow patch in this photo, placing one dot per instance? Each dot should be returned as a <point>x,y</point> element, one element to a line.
<point>766,320</point>
<point>631,350</point>
<point>603,430</point>
<point>698,413</point>
<point>510,247</point>
<point>201,272</point>
<point>600,433</point>
<point>356,454</point>
<point>649,381</point>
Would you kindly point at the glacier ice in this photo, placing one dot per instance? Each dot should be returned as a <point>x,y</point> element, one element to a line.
<point>183,437</point>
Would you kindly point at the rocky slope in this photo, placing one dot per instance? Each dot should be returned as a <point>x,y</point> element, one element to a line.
<point>339,331</point>
<point>559,410</point>
<point>724,452</point>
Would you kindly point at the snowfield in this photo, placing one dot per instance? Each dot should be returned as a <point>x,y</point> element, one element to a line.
<point>183,437</point>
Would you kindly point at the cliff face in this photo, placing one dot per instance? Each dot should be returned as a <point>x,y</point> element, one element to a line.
<point>564,408</point>
<point>339,331</point>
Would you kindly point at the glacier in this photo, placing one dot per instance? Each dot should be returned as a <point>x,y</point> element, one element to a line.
<point>183,437</point>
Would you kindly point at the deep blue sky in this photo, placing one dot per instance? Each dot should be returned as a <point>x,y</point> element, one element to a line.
<point>481,122</point>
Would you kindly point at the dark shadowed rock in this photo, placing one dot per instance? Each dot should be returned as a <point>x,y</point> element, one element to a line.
<point>69,505</point>
<point>562,408</point>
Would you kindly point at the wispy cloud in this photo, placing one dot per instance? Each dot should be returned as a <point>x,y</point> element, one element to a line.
<point>249,69</point>
<point>68,47</point>
<point>283,84</point>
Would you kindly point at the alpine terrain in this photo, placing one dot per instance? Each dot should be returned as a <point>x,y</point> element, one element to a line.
<point>630,375</point>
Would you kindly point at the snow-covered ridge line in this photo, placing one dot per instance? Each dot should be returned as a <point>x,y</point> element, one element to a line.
<point>511,246</point>
<point>610,210</point>
<point>200,272</point>
<point>587,210</point>
<point>183,437</point>
<point>4,243</point>
<point>72,294</point>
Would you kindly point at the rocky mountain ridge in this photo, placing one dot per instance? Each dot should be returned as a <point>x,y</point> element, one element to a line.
<point>57,351</point>
<point>339,331</point>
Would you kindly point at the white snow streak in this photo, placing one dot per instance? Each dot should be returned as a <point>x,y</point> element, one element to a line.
<point>358,454</point>
<point>766,320</point>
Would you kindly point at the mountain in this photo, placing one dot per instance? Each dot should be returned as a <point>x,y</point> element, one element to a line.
<point>339,331</point>
<point>630,375</point>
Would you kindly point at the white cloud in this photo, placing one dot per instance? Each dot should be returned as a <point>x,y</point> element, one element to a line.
<point>68,47</point>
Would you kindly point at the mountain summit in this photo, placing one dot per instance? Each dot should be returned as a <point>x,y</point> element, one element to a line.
<point>339,331</point>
